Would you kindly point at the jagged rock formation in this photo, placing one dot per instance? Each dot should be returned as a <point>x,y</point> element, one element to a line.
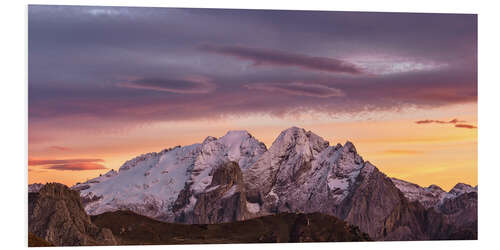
<point>134,229</point>
<point>56,214</point>
<point>453,213</point>
<point>300,172</point>
<point>35,187</point>
<point>224,200</point>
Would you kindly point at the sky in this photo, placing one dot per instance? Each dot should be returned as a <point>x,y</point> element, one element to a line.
<point>109,83</point>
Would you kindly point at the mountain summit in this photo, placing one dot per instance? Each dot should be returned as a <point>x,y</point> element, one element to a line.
<point>235,177</point>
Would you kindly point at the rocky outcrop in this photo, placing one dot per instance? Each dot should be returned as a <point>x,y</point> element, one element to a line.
<point>56,214</point>
<point>461,214</point>
<point>448,215</point>
<point>379,208</point>
<point>429,196</point>
<point>224,200</point>
<point>35,187</point>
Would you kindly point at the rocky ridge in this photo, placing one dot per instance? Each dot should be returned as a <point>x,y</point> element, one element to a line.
<point>56,214</point>
<point>236,178</point>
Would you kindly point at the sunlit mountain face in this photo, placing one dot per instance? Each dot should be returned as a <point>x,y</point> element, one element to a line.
<point>109,83</point>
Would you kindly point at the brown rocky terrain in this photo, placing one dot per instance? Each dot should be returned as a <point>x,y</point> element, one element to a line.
<point>34,241</point>
<point>56,215</point>
<point>133,229</point>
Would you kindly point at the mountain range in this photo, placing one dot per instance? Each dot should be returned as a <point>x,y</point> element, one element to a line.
<point>236,178</point>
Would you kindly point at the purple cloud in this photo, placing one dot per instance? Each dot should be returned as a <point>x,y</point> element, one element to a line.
<point>280,58</point>
<point>40,162</point>
<point>103,69</point>
<point>298,88</point>
<point>67,164</point>
<point>79,166</point>
<point>191,85</point>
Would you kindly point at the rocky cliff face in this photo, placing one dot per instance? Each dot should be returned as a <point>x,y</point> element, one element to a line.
<point>235,178</point>
<point>224,200</point>
<point>304,174</point>
<point>453,214</point>
<point>56,214</point>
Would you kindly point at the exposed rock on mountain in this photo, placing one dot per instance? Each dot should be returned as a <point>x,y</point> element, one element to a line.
<point>224,200</point>
<point>134,229</point>
<point>56,214</point>
<point>429,197</point>
<point>35,187</point>
<point>453,213</point>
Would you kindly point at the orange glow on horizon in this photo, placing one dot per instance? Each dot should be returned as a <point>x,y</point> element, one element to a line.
<point>421,153</point>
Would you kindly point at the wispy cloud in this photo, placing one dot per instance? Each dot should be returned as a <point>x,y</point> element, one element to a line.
<point>465,126</point>
<point>261,56</point>
<point>190,85</point>
<point>38,162</point>
<point>458,123</point>
<point>298,88</point>
<point>77,166</point>
<point>67,164</point>
<point>36,170</point>
<point>60,148</point>
<point>438,121</point>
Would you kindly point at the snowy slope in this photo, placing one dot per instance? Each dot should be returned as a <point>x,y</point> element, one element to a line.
<point>150,184</point>
<point>35,187</point>
<point>301,172</point>
<point>432,195</point>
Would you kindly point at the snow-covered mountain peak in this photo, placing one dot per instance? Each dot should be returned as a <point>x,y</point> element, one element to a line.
<point>432,195</point>
<point>242,147</point>
<point>428,197</point>
<point>237,134</point>
<point>208,139</point>
<point>435,187</point>
<point>461,188</point>
<point>148,158</point>
<point>349,147</point>
<point>299,141</point>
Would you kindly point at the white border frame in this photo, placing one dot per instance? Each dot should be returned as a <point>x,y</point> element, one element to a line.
<point>14,109</point>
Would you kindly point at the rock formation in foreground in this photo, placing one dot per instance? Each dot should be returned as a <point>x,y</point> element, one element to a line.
<point>56,215</point>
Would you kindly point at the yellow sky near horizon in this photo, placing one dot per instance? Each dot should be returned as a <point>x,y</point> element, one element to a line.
<point>421,153</point>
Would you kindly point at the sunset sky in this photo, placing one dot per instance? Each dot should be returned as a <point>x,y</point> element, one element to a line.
<point>107,84</point>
